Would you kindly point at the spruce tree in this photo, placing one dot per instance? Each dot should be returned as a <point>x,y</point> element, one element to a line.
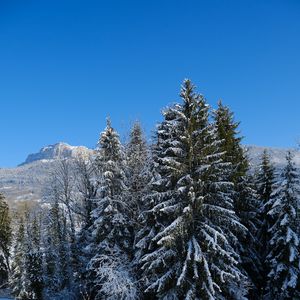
<point>159,188</point>
<point>5,240</point>
<point>284,255</point>
<point>17,278</point>
<point>137,169</point>
<point>57,254</point>
<point>247,207</point>
<point>88,188</point>
<point>265,179</point>
<point>111,230</point>
<point>229,134</point>
<point>264,182</point>
<point>246,203</point>
<point>33,261</point>
<point>191,255</point>
<point>27,280</point>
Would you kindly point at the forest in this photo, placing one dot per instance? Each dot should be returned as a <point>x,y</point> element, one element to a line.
<point>183,217</point>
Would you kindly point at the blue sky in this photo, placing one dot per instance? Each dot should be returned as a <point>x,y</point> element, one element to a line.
<point>66,65</point>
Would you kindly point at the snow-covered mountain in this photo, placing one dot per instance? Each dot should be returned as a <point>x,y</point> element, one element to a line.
<point>58,151</point>
<point>26,181</point>
<point>277,155</point>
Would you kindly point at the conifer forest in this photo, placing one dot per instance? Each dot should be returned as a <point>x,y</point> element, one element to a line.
<point>180,215</point>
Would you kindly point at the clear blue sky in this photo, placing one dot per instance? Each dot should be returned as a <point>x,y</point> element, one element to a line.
<point>66,65</point>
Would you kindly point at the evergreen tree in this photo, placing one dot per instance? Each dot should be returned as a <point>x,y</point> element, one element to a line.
<point>87,188</point>
<point>284,256</point>
<point>264,181</point>
<point>265,177</point>
<point>27,267</point>
<point>191,255</point>
<point>33,262</point>
<point>111,230</point>
<point>57,254</point>
<point>247,207</point>
<point>17,278</point>
<point>137,169</point>
<point>246,203</point>
<point>159,187</point>
<point>228,133</point>
<point>5,240</point>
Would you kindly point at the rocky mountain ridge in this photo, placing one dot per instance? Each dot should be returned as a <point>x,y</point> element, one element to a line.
<point>58,151</point>
<point>26,182</point>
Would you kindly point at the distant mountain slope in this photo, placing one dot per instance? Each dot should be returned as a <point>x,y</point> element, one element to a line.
<point>26,181</point>
<point>58,151</point>
<point>277,155</point>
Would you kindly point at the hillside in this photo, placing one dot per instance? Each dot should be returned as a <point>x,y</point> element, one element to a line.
<point>26,181</point>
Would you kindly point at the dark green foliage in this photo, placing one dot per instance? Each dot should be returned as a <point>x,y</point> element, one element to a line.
<point>57,253</point>
<point>284,255</point>
<point>5,240</point>
<point>264,182</point>
<point>188,253</point>
<point>27,278</point>
<point>230,145</point>
<point>246,202</point>
<point>112,230</point>
<point>18,265</point>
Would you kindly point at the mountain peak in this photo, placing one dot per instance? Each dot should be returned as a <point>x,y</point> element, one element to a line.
<point>58,151</point>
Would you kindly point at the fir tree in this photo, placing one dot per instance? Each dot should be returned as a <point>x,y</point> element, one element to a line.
<point>247,207</point>
<point>265,177</point>
<point>264,181</point>
<point>5,240</point>
<point>228,133</point>
<point>33,262</point>
<point>159,187</point>
<point>88,188</point>
<point>246,203</point>
<point>27,267</point>
<point>111,230</point>
<point>191,255</point>
<point>137,169</point>
<point>57,254</point>
<point>17,278</point>
<point>284,256</point>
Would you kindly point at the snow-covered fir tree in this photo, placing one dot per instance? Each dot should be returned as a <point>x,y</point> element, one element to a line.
<point>228,133</point>
<point>33,261</point>
<point>284,255</point>
<point>27,280</point>
<point>247,207</point>
<point>111,231</point>
<point>159,186</point>
<point>17,277</point>
<point>191,256</point>
<point>264,182</point>
<point>87,188</point>
<point>246,202</point>
<point>137,169</point>
<point>5,240</point>
<point>265,177</point>
<point>57,255</point>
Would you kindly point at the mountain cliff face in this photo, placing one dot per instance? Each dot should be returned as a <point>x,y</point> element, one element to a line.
<point>26,181</point>
<point>58,151</point>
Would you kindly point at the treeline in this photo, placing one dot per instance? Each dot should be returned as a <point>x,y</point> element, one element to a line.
<point>183,218</point>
